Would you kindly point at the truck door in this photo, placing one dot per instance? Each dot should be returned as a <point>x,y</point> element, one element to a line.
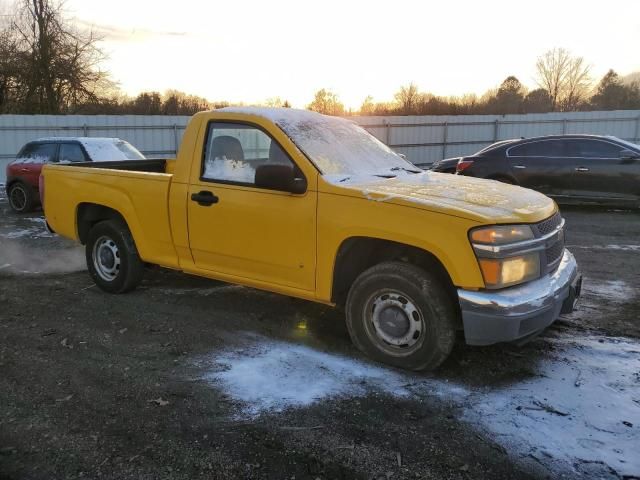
<point>240,230</point>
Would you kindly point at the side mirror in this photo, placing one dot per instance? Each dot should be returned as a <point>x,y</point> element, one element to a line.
<point>629,155</point>
<point>285,178</point>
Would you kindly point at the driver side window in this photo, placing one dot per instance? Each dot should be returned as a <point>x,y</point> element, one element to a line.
<point>234,151</point>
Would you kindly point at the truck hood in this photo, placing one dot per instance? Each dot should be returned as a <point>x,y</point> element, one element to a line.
<point>485,201</point>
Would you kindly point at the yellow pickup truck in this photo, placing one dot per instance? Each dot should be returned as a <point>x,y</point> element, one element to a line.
<point>315,207</point>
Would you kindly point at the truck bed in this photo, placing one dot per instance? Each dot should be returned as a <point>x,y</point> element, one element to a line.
<point>136,189</point>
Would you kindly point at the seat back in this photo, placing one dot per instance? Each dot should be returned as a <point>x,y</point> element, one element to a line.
<point>227,147</point>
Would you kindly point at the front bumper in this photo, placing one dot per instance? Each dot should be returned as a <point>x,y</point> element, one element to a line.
<point>519,312</point>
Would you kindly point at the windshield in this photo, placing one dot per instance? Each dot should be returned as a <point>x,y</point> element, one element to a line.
<point>494,145</point>
<point>129,151</point>
<point>338,147</point>
<point>629,145</point>
<point>110,149</point>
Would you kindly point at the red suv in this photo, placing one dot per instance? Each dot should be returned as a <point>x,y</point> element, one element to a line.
<point>23,173</point>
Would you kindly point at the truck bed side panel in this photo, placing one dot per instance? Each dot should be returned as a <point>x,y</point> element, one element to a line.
<point>141,198</point>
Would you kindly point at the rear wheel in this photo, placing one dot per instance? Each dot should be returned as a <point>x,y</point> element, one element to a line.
<point>112,257</point>
<point>21,197</point>
<point>399,314</point>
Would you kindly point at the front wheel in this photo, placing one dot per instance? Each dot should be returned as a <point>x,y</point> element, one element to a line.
<point>112,257</point>
<point>400,314</point>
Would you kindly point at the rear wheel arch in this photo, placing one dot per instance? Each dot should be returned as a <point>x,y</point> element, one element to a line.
<point>90,214</point>
<point>357,254</point>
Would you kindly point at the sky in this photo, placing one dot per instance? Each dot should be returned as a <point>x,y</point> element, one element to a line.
<point>250,50</point>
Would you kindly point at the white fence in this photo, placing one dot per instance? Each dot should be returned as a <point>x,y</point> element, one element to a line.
<point>423,139</point>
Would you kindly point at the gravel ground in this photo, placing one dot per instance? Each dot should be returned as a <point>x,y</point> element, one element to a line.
<point>191,378</point>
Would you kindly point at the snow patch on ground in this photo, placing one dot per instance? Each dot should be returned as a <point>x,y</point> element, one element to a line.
<point>272,376</point>
<point>572,411</point>
<point>616,291</point>
<point>575,411</point>
<point>38,230</point>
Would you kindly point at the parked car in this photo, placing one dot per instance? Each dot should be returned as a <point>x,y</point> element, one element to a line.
<point>314,207</point>
<point>23,173</point>
<point>569,168</point>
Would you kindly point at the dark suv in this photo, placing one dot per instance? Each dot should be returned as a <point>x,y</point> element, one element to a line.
<point>570,168</point>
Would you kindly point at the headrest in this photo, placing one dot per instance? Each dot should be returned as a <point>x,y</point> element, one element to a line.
<point>226,146</point>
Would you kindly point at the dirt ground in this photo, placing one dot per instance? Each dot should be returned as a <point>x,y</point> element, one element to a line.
<point>158,383</point>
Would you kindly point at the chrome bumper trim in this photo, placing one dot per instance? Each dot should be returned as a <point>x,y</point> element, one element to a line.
<point>517,312</point>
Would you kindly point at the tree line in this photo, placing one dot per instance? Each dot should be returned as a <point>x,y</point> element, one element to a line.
<point>50,66</point>
<point>564,85</point>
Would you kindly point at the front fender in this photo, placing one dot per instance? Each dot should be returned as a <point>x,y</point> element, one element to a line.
<point>443,236</point>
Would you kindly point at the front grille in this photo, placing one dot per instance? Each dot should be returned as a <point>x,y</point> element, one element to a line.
<point>549,225</point>
<point>554,252</point>
<point>555,245</point>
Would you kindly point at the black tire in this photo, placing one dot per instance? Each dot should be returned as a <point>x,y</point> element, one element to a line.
<point>417,301</point>
<point>112,257</point>
<point>22,197</point>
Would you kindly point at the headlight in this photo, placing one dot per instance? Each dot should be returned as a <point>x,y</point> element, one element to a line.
<point>504,272</point>
<point>501,234</point>
<point>507,254</point>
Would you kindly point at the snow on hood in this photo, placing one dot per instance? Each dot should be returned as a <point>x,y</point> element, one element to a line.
<point>485,200</point>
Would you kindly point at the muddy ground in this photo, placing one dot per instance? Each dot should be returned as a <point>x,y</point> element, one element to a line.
<point>158,383</point>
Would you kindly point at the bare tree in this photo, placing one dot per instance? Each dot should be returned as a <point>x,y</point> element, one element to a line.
<point>565,77</point>
<point>578,84</point>
<point>367,107</point>
<point>57,64</point>
<point>408,98</point>
<point>327,102</point>
<point>9,72</point>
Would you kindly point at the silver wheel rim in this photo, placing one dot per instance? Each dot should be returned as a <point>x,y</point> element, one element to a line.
<point>18,198</point>
<point>106,258</point>
<point>394,322</point>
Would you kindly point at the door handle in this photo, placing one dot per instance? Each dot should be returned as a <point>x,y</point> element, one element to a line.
<point>24,170</point>
<point>204,198</point>
<point>519,167</point>
<point>581,169</point>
